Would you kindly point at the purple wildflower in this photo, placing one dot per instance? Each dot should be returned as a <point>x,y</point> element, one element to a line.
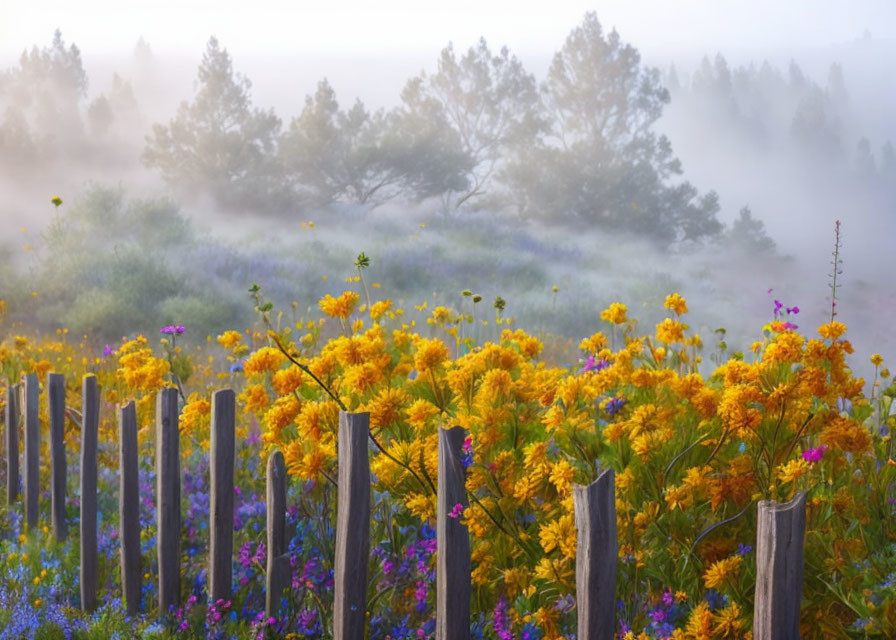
<point>173,329</point>
<point>456,511</point>
<point>614,405</point>
<point>593,364</point>
<point>814,455</point>
<point>466,459</point>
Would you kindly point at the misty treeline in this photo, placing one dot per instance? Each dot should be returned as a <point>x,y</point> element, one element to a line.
<point>812,145</point>
<point>478,133</point>
<point>564,181</point>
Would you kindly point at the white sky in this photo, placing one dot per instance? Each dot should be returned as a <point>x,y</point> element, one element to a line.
<point>406,26</point>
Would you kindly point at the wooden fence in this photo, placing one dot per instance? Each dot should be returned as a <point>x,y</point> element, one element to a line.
<point>779,543</point>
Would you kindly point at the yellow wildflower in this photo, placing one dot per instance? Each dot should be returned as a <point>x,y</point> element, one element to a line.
<point>676,303</point>
<point>430,353</point>
<point>229,339</point>
<point>721,570</point>
<point>266,359</point>
<point>728,622</point>
<point>255,398</point>
<point>846,434</point>
<point>377,309</point>
<point>793,470</point>
<point>832,330</point>
<point>340,307</point>
<point>287,380</point>
<point>594,344</point>
<point>616,313</point>
<point>669,331</point>
<point>194,414</point>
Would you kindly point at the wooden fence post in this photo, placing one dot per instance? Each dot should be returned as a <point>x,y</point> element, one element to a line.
<point>32,449</point>
<point>278,567</point>
<point>221,454</point>
<point>12,443</point>
<point>90,418</point>
<point>129,508</point>
<point>352,527</point>
<point>168,498</point>
<point>780,531</point>
<point>597,555</point>
<point>453,588</point>
<point>56,399</point>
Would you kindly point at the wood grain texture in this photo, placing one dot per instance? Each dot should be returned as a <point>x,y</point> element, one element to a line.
<point>453,587</point>
<point>56,394</point>
<point>277,578</point>
<point>32,449</point>
<point>221,455</point>
<point>129,509</point>
<point>597,555</point>
<point>168,516</point>
<point>11,413</point>
<point>90,419</point>
<point>780,532</point>
<point>352,527</point>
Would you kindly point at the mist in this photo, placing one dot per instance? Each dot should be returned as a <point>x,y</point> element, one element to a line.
<point>796,130</point>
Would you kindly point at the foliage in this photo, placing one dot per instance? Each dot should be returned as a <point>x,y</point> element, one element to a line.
<point>492,104</point>
<point>693,453</point>
<point>218,144</point>
<point>603,164</point>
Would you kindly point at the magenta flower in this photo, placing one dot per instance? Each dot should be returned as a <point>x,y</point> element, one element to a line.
<point>814,455</point>
<point>173,329</point>
<point>456,511</point>
<point>593,364</point>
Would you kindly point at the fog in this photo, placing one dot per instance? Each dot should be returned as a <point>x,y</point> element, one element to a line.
<point>785,111</point>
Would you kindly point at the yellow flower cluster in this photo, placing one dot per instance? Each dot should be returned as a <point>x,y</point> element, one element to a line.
<point>140,370</point>
<point>341,306</point>
<point>691,448</point>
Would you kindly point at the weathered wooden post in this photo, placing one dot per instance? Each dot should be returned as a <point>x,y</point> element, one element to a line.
<point>278,567</point>
<point>32,449</point>
<point>168,498</point>
<point>352,527</point>
<point>221,454</point>
<point>129,508</point>
<point>56,399</point>
<point>453,539</point>
<point>780,531</point>
<point>90,419</point>
<point>597,555</point>
<point>12,443</point>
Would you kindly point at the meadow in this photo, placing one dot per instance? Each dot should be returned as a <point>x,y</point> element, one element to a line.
<point>696,436</point>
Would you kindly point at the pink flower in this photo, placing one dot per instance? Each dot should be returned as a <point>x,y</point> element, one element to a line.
<point>814,455</point>
<point>456,511</point>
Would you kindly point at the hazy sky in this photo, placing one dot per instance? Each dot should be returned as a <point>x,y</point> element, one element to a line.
<point>405,26</point>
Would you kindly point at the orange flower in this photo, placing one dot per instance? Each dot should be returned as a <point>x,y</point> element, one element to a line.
<point>340,307</point>
<point>430,354</point>
<point>616,313</point>
<point>832,330</point>
<point>676,303</point>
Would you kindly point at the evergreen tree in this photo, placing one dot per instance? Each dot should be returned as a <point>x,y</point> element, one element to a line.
<point>219,143</point>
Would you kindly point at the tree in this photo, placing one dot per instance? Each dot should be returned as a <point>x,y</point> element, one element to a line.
<point>490,102</point>
<point>330,155</point>
<point>602,163</point>
<point>864,164</point>
<point>814,127</point>
<point>748,235</point>
<point>219,143</point>
<point>40,101</point>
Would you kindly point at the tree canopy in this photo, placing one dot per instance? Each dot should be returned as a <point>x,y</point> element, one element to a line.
<point>219,143</point>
